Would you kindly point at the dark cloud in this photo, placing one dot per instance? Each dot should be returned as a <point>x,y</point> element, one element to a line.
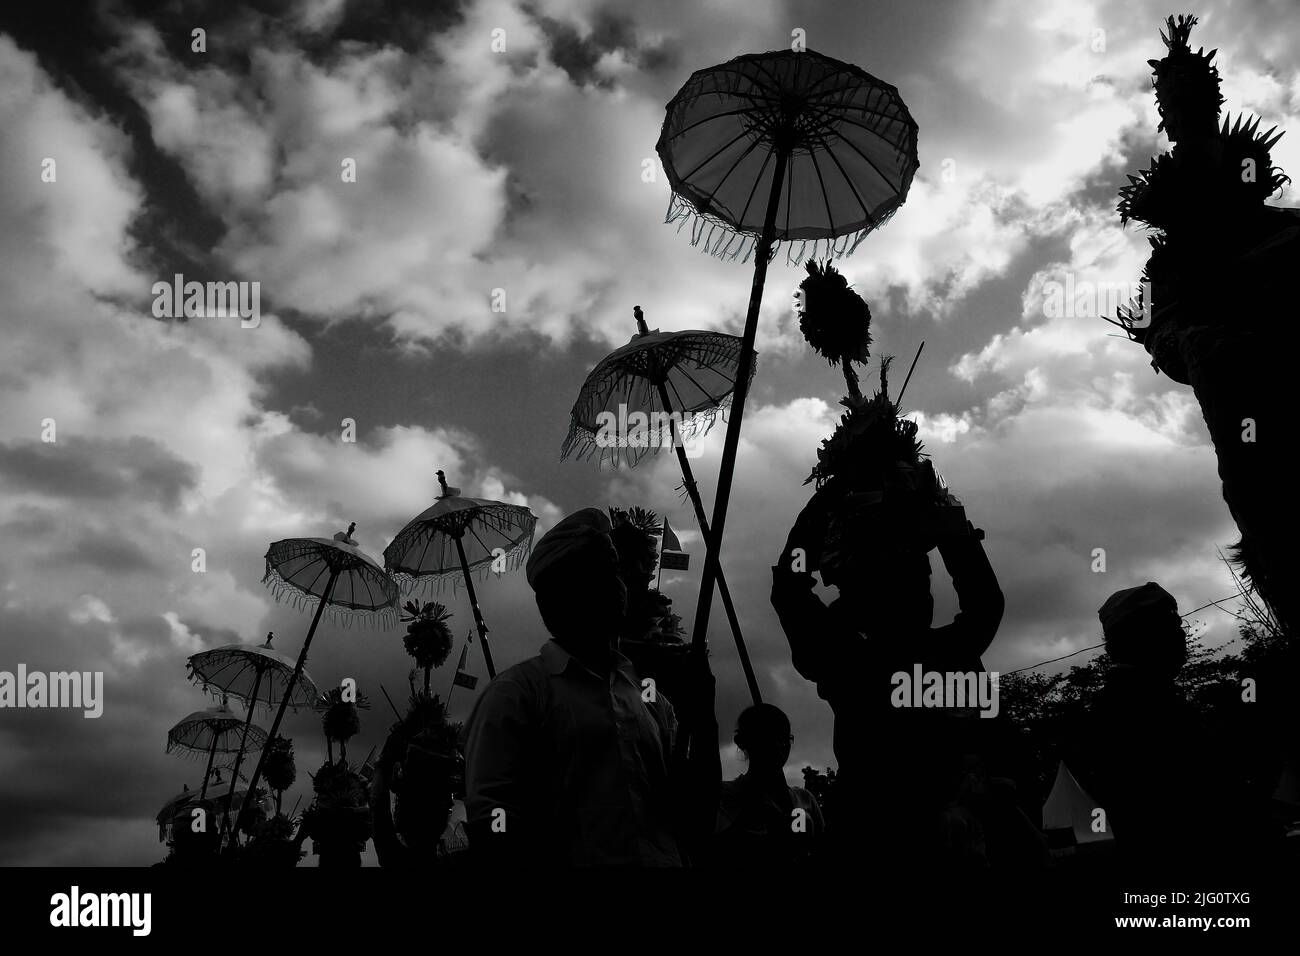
<point>109,553</point>
<point>93,468</point>
<point>577,53</point>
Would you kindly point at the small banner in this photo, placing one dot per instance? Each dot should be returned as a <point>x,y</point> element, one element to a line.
<point>675,560</point>
<point>468,681</point>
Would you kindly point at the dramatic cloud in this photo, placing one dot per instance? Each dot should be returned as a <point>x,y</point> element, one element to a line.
<point>506,215</point>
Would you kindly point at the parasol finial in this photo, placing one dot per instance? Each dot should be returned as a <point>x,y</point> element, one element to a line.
<point>641,327</point>
<point>447,490</point>
<point>269,636</point>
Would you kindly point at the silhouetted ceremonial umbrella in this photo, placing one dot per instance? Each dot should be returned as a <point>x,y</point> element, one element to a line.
<point>790,146</point>
<point>335,574</point>
<point>460,536</point>
<point>678,379</point>
<point>256,674</point>
<point>188,796</point>
<point>212,731</point>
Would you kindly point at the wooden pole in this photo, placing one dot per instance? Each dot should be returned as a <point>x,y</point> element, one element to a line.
<point>713,541</point>
<point>239,757</point>
<point>473,602</point>
<point>693,492</point>
<point>284,701</point>
<point>212,753</point>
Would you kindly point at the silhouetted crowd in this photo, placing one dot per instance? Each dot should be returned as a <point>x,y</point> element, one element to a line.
<point>573,758</point>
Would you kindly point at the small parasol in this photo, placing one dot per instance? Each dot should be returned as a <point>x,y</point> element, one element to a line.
<point>337,576</point>
<point>683,379</point>
<point>831,147</point>
<point>212,731</point>
<point>461,536</point>
<point>256,674</point>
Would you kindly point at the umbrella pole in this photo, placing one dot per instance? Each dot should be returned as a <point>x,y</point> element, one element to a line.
<point>284,701</point>
<point>688,479</point>
<point>212,753</point>
<point>239,757</point>
<point>713,542</point>
<point>478,615</point>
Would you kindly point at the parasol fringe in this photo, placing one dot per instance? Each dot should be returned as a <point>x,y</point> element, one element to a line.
<point>337,614</point>
<point>581,442</point>
<point>718,239</point>
<point>433,583</point>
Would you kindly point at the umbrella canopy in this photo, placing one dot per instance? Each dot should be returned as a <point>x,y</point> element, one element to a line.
<point>187,797</point>
<point>424,552</point>
<point>254,673</point>
<point>301,570</point>
<point>690,376</point>
<point>334,575</point>
<point>461,535</point>
<point>697,372</point>
<point>215,730</point>
<point>790,146</point>
<point>849,138</point>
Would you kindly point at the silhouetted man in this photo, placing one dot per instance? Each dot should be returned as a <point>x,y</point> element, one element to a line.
<point>1166,802</point>
<point>762,820</point>
<point>569,760</point>
<point>897,766</point>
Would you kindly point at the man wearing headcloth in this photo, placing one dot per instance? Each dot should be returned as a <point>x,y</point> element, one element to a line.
<point>898,768</point>
<point>1143,748</point>
<point>569,760</point>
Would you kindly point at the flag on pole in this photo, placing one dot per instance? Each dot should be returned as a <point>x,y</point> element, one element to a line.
<point>671,555</point>
<point>670,537</point>
<point>461,679</point>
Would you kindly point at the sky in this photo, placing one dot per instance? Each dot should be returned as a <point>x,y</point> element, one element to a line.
<point>522,169</point>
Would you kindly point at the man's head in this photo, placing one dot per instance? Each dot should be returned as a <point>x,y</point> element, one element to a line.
<point>574,573</point>
<point>1143,629</point>
<point>763,733</point>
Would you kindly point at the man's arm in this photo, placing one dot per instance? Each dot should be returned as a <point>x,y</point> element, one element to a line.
<point>979,596</point>
<point>499,771</point>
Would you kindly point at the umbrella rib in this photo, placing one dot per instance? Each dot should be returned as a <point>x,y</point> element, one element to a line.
<point>709,119</point>
<point>853,146</point>
<point>762,66</point>
<point>848,179</point>
<point>757,179</point>
<point>317,578</point>
<point>833,74</point>
<point>740,159</point>
<point>715,154</point>
<point>826,199</point>
<point>704,390</point>
<point>478,539</point>
<point>828,118</point>
<point>415,568</point>
<point>789,192</point>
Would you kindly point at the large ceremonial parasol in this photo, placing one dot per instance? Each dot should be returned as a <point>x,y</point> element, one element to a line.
<point>256,674</point>
<point>661,389</point>
<point>790,146</point>
<point>461,536</point>
<point>212,731</point>
<point>336,575</point>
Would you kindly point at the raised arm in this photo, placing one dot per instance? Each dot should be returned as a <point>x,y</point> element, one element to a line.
<point>816,640</point>
<point>978,595</point>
